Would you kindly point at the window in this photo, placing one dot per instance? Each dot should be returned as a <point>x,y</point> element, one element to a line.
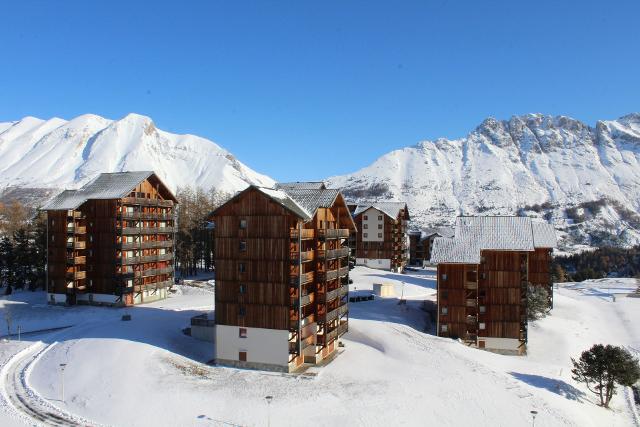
<point>242,333</point>
<point>379,217</point>
<point>380,235</point>
<point>365,226</point>
<point>482,325</point>
<point>444,294</point>
<point>242,356</point>
<point>444,328</point>
<point>242,311</point>
<point>443,277</point>
<point>241,267</point>
<point>243,224</point>
<point>243,246</point>
<point>483,309</point>
<point>379,226</point>
<point>365,235</point>
<point>365,217</point>
<point>444,310</point>
<point>242,289</point>
<point>53,222</point>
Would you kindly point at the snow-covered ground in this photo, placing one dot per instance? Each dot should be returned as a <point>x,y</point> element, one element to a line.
<point>392,370</point>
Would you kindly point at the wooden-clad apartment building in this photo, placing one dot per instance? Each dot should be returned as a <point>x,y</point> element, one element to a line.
<point>382,240</point>
<point>282,271</point>
<point>112,241</point>
<point>483,276</point>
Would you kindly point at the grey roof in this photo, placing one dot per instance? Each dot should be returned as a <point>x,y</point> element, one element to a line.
<point>544,235</point>
<point>391,209</point>
<point>505,233</point>
<point>105,186</point>
<point>437,231</point>
<point>284,199</point>
<point>311,185</point>
<point>311,200</point>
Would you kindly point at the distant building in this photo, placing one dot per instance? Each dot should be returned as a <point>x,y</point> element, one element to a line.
<point>112,241</point>
<point>281,276</point>
<point>421,242</point>
<point>483,275</point>
<point>382,240</point>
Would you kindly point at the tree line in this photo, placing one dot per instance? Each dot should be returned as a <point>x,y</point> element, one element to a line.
<point>597,264</point>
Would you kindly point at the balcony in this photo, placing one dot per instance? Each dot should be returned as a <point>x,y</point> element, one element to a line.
<point>329,296</point>
<point>471,285</point>
<point>304,234</point>
<point>471,320</point>
<point>333,233</point>
<point>332,274</point>
<point>146,202</point>
<point>146,215</point>
<point>146,258</point>
<point>77,275</point>
<point>78,260</point>
<point>343,290</point>
<point>333,253</point>
<point>293,324</point>
<point>327,337</point>
<point>76,245</point>
<point>76,229</point>
<point>145,230</point>
<point>295,279</point>
<point>303,301</point>
<point>333,314</point>
<point>150,244</point>
<point>293,345</point>
<point>470,302</point>
<point>343,328</point>
<point>304,256</point>
<point>75,214</point>
<point>154,285</point>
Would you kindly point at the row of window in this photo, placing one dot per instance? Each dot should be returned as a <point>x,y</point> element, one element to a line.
<point>366,217</point>
<point>365,235</point>
<point>367,226</point>
<point>445,310</point>
<point>445,327</point>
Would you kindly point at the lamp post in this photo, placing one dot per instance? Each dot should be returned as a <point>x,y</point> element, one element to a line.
<point>62,366</point>
<point>269,399</point>
<point>533,418</point>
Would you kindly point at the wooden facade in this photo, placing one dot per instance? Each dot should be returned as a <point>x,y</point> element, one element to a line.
<point>276,270</point>
<point>113,251</point>
<point>394,243</point>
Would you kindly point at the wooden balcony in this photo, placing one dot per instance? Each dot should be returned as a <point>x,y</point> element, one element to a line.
<point>329,296</point>
<point>471,285</point>
<point>333,253</point>
<point>332,274</point>
<point>470,302</point>
<point>76,275</point>
<point>303,301</point>
<point>293,345</point>
<point>471,319</point>
<point>333,314</point>
<point>333,233</point>
<point>146,258</point>
<point>343,328</point>
<point>76,229</point>
<point>146,215</point>
<point>150,244</point>
<point>343,290</point>
<point>327,337</point>
<point>144,273</point>
<point>304,234</point>
<point>306,321</point>
<point>295,279</point>
<point>304,256</point>
<point>76,245</point>
<point>145,230</point>
<point>139,201</point>
<point>78,260</point>
<point>75,214</point>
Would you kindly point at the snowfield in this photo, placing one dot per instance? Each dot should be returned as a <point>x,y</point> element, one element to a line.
<point>392,370</point>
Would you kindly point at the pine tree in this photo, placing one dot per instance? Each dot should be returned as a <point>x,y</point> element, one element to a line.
<point>602,367</point>
<point>8,267</point>
<point>537,302</point>
<point>23,259</point>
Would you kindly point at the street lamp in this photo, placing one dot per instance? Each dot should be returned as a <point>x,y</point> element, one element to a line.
<point>62,366</point>
<point>533,417</point>
<point>269,399</point>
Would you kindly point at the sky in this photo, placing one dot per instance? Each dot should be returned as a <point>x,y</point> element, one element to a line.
<point>303,90</point>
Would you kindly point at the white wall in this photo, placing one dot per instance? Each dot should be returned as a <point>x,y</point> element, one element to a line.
<point>374,218</point>
<point>374,263</point>
<point>262,345</point>
<point>203,333</point>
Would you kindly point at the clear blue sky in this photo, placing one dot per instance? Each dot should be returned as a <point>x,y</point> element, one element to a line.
<point>303,90</point>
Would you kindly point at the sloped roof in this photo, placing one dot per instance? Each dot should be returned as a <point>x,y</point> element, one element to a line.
<point>311,200</point>
<point>284,199</point>
<point>391,209</point>
<point>311,185</point>
<point>105,186</point>
<point>437,231</point>
<point>503,233</point>
<point>544,235</point>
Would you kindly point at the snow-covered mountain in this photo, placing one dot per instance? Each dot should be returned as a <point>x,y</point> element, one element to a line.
<point>532,164</point>
<point>57,153</point>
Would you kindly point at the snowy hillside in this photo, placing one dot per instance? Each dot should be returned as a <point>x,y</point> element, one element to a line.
<point>540,164</point>
<point>66,154</point>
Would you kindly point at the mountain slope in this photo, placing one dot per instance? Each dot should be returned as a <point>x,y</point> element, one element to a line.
<point>66,154</point>
<point>507,167</point>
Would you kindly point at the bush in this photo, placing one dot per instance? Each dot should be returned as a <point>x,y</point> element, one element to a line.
<point>602,367</point>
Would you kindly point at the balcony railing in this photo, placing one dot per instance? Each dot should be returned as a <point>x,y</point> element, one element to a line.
<point>146,258</point>
<point>471,319</point>
<point>333,253</point>
<point>76,245</point>
<point>306,278</point>
<point>76,229</point>
<point>145,273</point>
<point>77,275</point>
<point>333,314</point>
<point>471,285</point>
<point>78,260</point>
<point>146,230</point>
<point>343,328</point>
<point>146,215</point>
<point>470,302</point>
<point>343,290</point>
<point>333,274</point>
<point>304,234</point>
<point>333,233</point>
<point>146,202</point>
<point>150,244</point>
<point>304,300</point>
<point>329,296</point>
<point>327,337</point>
<point>75,214</point>
<point>304,256</point>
